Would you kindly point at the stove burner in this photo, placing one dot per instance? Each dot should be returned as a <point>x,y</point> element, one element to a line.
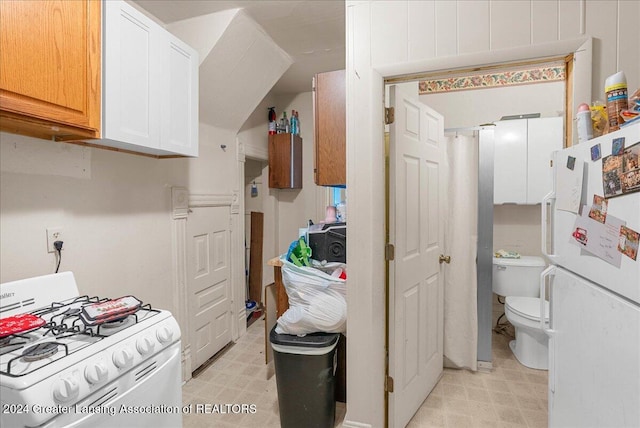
<point>39,351</point>
<point>110,327</point>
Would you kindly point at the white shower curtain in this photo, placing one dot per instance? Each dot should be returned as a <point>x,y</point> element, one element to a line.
<point>461,237</point>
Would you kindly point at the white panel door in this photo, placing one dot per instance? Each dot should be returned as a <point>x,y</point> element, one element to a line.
<point>208,258</point>
<point>416,228</point>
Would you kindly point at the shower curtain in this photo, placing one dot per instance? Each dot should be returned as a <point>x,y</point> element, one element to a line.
<point>461,237</point>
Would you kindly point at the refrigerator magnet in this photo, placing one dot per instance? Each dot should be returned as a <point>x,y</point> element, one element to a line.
<point>571,162</point>
<point>617,146</point>
<point>628,242</point>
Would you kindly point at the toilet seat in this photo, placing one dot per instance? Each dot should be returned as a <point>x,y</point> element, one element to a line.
<point>527,307</point>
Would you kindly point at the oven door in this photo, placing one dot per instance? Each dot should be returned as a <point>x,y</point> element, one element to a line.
<point>148,395</point>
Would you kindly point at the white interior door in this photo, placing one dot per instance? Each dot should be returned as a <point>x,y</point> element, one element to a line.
<point>208,258</point>
<point>416,228</point>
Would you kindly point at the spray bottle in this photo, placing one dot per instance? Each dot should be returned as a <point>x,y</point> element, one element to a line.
<point>615,88</point>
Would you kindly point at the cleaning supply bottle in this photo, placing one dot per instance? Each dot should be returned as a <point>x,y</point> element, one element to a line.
<point>272,120</point>
<point>615,88</point>
<point>294,123</point>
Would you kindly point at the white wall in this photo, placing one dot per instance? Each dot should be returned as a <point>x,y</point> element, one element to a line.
<point>387,38</point>
<point>115,210</point>
<point>116,218</point>
<point>296,207</point>
<point>479,106</point>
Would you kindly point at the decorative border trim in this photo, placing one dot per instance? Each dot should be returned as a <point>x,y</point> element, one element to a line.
<point>491,80</point>
<point>211,200</point>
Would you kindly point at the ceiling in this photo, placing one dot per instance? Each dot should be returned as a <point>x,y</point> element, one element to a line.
<point>311,32</point>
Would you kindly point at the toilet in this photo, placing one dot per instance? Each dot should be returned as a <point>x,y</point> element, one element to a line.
<point>518,280</point>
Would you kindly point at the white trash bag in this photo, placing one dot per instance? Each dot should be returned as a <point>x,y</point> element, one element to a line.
<point>317,300</point>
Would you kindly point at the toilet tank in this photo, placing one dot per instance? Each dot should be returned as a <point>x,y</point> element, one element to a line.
<point>517,277</point>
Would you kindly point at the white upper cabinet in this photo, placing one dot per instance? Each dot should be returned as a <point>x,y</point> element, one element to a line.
<point>150,86</point>
<point>510,162</point>
<point>522,169</point>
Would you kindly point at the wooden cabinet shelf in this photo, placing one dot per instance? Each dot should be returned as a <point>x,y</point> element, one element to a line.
<point>50,68</point>
<point>329,102</point>
<point>285,161</point>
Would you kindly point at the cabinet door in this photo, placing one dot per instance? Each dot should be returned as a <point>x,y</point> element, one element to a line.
<point>133,76</point>
<point>285,161</point>
<point>510,162</point>
<point>50,67</point>
<point>180,108</point>
<point>330,129</point>
<point>545,136</point>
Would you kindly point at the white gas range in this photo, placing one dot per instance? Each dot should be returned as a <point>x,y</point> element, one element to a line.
<point>71,360</point>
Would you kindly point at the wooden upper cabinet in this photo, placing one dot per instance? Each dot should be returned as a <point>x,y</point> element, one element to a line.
<point>50,68</point>
<point>330,161</point>
<point>285,161</point>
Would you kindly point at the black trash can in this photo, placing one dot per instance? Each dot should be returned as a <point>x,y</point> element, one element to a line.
<point>305,377</point>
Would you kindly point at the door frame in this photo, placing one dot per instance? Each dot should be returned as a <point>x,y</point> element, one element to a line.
<point>366,296</point>
<point>181,203</point>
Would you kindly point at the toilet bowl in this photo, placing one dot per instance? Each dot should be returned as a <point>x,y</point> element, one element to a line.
<point>518,280</point>
<point>531,345</point>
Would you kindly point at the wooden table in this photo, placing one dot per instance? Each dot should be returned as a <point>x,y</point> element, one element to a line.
<point>282,300</point>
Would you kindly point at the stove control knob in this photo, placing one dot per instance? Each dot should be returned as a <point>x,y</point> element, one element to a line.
<point>145,345</point>
<point>95,373</point>
<point>66,389</point>
<point>122,358</point>
<point>164,334</point>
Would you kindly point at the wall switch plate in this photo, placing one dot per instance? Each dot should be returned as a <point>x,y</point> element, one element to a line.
<point>53,234</point>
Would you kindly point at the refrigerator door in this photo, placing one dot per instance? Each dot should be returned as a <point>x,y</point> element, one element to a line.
<point>562,250</point>
<point>594,356</point>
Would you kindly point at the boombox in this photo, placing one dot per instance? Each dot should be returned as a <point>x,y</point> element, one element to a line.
<point>328,242</point>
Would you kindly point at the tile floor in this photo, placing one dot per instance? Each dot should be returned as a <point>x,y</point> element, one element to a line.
<point>238,376</point>
<point>511,395</point>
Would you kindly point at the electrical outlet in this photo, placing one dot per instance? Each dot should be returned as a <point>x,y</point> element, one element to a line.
<point>53,234</point>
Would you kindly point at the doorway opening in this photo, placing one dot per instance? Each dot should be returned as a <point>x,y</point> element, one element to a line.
<point>558,103</point>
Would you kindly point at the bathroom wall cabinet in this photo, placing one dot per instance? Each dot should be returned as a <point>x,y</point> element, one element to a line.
<point>522,159</point>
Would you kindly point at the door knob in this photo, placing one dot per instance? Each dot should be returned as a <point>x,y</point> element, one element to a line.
<point>444,259</point>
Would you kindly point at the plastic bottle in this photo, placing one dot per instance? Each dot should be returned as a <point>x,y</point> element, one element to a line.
<point>615,88</point>
<point>272,120</point>
<point>284,123</point>
<point>294,123</point>
<point>297,123</point>
<point>585,128</point>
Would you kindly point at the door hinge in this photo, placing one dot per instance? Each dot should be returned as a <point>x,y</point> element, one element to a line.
<point>388,384</point>
<point>389,252</point>
<point>551,163</point>
<point>389,115</point>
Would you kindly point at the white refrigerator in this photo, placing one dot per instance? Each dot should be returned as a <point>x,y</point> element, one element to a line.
<point>593,284</point>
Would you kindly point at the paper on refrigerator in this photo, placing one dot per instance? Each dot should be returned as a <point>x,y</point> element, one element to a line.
<point>569,183</point>
<point>599,239</point>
